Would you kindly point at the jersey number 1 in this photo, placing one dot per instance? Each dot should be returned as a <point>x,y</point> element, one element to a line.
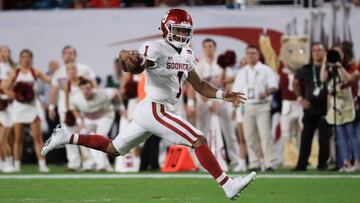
<point>180,74</point>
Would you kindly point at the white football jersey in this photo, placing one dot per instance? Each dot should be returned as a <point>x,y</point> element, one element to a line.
<point>100,101</point>
<point>163,81</point>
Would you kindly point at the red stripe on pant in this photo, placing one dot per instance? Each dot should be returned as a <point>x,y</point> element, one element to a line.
<point>182,124</point>
<point>168,125</point>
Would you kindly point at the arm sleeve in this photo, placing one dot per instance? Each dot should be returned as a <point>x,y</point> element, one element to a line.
<point>150,51</point>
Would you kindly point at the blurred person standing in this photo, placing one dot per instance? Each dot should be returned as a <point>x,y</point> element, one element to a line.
<point>129,97</point>
<point>57,96</point>
<point>72,88</point>
<point>354,78</point>
<point>6,65</point>
<point>312,96</point>
<point>341,112</point>
<point>259,82</point>
<point>114,81</point>
<point>44,96</point>
<point>340,68</point>
<point>210,71</point>
<point>238,115</point>
<point>21,86</point>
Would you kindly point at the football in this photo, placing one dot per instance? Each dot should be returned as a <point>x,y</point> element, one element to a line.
<point>134,59</point>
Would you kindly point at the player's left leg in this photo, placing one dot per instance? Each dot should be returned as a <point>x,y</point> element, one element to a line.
<point>176,129</point>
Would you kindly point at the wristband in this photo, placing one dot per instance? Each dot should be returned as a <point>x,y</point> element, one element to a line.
<point>52,107</point>
<point>191,103</point>
<point>220,94</point>
<point>299,98</point>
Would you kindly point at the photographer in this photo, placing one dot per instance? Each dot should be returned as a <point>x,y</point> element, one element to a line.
<point>341,112</point>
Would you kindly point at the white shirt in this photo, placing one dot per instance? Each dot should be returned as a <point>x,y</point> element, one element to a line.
<point>4,70</point>
<point>100,102</point>
<point>163,81</point>
<point>59,79</point>
<point>254,80</point>
<point>208,71</point>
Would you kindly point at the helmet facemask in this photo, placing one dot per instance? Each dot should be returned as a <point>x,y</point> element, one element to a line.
<point>179,35</point>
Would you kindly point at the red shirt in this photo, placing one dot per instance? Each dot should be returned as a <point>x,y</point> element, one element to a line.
<point>105,3</point>
<point>351,69</point>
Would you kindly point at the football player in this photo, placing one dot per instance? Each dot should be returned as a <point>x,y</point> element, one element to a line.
<point>167,63</point>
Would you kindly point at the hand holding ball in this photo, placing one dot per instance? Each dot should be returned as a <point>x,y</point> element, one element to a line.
<point>132,61</point>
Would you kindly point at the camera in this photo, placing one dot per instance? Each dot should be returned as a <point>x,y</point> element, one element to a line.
<point>332,58</point>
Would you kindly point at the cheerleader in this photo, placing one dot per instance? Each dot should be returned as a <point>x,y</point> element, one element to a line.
<point>21,86</point>
<point>73,155</point>
<point>6,64</point>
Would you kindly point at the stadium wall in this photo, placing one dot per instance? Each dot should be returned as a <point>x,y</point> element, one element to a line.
<point>98,35</point>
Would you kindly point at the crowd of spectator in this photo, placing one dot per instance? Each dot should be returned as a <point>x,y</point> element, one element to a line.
<point>102,4</point>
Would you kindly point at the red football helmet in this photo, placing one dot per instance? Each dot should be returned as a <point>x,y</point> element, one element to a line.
<point>177,27</point>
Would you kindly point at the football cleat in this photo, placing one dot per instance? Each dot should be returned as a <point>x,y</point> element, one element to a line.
<point>233,187</point>
<point>58,139</point>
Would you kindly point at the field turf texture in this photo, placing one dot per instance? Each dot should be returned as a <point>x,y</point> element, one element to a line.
<point>278,187</point>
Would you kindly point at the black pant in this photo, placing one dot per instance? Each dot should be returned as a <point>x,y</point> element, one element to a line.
<point>150,154</point>
<point>310,125</point>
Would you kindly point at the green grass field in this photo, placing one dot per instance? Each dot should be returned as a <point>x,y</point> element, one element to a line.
<point>268,188</point>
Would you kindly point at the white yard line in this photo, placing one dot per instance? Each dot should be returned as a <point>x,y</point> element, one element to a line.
<point>162,176</point>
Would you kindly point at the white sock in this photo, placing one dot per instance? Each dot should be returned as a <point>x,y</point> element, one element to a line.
<point>1,164</point>
<point>9,160</point>
<point>242,162</point>
<point>42,163</point>
<point>17,164</point>
<point>75,138</point>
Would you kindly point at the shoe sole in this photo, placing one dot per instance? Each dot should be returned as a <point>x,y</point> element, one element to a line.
<point>251,181</point>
